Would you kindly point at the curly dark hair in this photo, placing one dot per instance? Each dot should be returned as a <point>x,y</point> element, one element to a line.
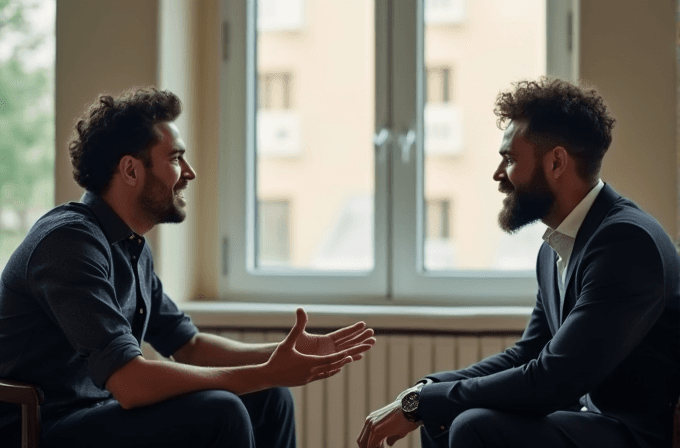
<point>115,126</point>
<point>559,113</point>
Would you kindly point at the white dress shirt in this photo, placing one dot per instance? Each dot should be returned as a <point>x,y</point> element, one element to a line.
<point>562,239</point>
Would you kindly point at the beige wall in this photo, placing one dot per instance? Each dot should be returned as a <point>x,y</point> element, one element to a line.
<point>627,51</point>
<point>102,46</point>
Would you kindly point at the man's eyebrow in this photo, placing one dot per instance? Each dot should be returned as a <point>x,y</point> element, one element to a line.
<point>177,151</point>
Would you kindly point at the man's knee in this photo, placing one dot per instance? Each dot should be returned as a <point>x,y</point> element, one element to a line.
<point>469,426</point>
<point>282,400</point>
<point>221,410</point>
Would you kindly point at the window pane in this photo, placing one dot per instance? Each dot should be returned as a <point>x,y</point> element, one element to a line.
<point>315,122</point>
<point>474,50</point>
<point>27,48</point>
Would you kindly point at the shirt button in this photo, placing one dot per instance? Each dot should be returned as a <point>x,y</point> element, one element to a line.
<point>442,427</point>
<point>134,257</point>
<point>141,311</point>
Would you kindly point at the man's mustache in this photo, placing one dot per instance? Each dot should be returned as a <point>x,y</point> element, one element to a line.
<point>505,187</point>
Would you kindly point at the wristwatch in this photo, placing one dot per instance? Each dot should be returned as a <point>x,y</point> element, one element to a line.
<point>409,404</point>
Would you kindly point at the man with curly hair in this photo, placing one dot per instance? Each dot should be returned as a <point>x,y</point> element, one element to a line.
<point>79,295</point>
<point>599,362</point>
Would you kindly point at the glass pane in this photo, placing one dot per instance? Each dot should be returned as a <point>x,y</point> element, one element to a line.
<point>474,50</point>
<point>315,123</point>
<point>27,49</point>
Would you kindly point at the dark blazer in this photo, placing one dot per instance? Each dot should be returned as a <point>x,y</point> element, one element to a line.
<point>617,349</point>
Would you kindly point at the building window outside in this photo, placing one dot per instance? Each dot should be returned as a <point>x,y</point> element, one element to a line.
<point>438,85</point>
<point>438,219</point>
<point>274,92</point>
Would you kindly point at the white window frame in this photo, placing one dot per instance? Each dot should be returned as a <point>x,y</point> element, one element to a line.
<point>398,276</point>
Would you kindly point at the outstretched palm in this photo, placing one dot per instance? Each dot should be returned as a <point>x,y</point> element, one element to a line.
<point>339,340</point>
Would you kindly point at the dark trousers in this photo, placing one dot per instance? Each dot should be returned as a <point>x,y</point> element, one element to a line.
<point>208,419</point>
<point>477,428</point>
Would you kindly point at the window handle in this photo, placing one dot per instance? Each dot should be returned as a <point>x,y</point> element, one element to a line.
<point>381,140</point>
<point>406,141</point>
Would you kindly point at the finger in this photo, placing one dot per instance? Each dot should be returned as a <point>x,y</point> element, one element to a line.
<point>329,359</point>
<point>364,338</point>
<point>347,331</point>
<point>393,439</point>
<point>363,436</point>
<point>357,338</point>
<point>324,375</point>
<point>336,365</point>
<point>347,336</point>
<point>298,328</point>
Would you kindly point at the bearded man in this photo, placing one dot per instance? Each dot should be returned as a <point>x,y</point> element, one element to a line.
<point>598,364</point>
<point>80,294</point>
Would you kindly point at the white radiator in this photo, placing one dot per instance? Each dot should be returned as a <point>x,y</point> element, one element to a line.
<point>331,413</point>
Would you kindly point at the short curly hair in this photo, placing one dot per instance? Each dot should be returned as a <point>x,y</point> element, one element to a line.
<point>115,126</point>
<point>559,113</point>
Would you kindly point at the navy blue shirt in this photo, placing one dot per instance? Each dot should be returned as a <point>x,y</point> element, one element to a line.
<point>77,297</point>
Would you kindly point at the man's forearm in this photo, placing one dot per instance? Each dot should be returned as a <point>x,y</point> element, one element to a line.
<point>209,350</point>
<point>141,382</point>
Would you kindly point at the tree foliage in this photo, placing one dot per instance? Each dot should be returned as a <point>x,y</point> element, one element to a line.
<point>26,113</point>
<point>26,122</point>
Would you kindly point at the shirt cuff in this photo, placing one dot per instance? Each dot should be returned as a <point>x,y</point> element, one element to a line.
<point>119,351</point>
<point>172,341</point>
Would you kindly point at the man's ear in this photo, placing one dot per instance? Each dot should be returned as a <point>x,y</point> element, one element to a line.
<point>558,162</point>
<point>130,170</point>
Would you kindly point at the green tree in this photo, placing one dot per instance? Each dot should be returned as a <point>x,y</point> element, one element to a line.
<point>26,119</point>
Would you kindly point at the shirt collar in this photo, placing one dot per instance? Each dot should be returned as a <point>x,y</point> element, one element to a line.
<point>113,226</point>
<point>572,223</point>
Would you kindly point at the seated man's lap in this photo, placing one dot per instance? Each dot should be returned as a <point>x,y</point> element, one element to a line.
<point>201,419</point>
<point>491,428</point>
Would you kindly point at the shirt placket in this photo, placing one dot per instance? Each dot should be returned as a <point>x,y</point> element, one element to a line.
<point>136,246</point>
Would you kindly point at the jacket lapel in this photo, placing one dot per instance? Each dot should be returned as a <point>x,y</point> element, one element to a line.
<point>603,203</point>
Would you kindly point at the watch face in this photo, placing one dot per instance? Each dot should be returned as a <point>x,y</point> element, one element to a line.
<point>410,402</point>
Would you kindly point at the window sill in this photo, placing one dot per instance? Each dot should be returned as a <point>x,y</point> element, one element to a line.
<point>280,316</point>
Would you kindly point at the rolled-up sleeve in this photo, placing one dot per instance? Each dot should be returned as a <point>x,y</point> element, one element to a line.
<point>169,328</point>
<point>70,274</point>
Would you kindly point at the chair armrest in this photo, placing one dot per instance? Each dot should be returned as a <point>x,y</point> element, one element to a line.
<point>19,393</point>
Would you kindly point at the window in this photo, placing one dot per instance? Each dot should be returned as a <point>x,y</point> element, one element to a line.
<point>27,49</point>
<point>274,228</point>
<point>278,125</point>
<point>280,15</point>
<point>438,85</point>
<point>274,90</point>
<point>393,126</point>
<point>444,11</point>
<point>437,219</point>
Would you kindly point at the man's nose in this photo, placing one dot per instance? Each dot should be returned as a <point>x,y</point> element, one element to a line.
<point>499,174</point>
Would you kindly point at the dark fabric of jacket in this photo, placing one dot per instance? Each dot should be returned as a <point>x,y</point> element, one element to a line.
<point>617,350</point>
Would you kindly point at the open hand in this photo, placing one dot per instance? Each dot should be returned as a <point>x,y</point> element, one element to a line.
<point>339,340</point>
<point>288,367</point>
<point>386,425</point>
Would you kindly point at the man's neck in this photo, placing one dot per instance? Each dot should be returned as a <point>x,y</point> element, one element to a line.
<point>566,202</point>
<point>122,203</point>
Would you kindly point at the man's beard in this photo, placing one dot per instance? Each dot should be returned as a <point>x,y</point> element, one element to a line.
<point>525,204</point>
<point>157,204</point>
